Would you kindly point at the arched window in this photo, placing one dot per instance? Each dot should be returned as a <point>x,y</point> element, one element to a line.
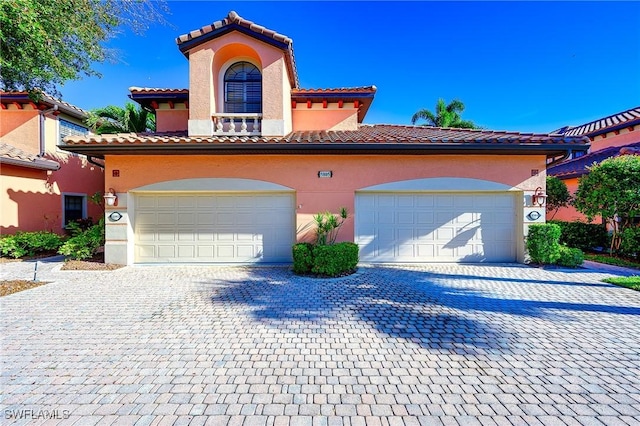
<point>242,88</point>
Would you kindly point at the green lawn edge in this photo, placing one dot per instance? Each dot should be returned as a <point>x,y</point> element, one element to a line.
<point>632,282</point>
<point>616,261</point>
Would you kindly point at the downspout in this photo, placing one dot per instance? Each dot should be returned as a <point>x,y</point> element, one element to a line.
<point>42,118</point>
<point>564,156</point>
<point>94,162</point>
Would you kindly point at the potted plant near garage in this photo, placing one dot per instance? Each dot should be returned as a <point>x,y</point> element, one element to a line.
<point>324,257</point>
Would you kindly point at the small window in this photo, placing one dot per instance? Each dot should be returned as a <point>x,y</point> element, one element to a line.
<point>578,154</point>
<point>67,128</point>
<point>243,89</point>
<point>75,207</point>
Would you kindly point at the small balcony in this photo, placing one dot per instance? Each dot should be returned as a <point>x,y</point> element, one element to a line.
<point>237,124</point>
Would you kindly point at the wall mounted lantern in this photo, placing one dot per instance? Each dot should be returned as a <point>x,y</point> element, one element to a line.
<point>110,198</point>
<point>539,197</point>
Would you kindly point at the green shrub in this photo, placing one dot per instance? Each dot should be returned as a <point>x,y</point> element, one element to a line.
<point>328,225</point>
<point>78,226</point>
<point>630,242</point>
<point>85,244</point>
<point>9,247</point>
<point>542,243</point>
<point>584,236</point>
<point>334,260</point>
<point>570,257</point>
<point>302,258</point>
<point>29,243</point>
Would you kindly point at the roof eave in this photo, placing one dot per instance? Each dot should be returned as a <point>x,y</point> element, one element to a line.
<point>99,150</point>
<point>620,126</point>
<point>186,46</point>
<point>365,97</point>
<point>37,164</point>
<point>218,32</point>
<point>49,102</point>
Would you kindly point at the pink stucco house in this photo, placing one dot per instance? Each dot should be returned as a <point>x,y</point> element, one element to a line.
<point>42,186</point>
<point>611,136</point>
<point>244,157</point>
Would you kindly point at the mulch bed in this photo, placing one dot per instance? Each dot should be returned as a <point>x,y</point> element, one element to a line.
<point>14,286</point>
<point>96,263</point>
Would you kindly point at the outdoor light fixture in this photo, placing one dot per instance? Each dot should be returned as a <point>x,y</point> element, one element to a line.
<point>110,198</point>
<point>538,197</point>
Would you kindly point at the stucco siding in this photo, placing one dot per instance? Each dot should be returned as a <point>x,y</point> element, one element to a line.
<point>314,194</point>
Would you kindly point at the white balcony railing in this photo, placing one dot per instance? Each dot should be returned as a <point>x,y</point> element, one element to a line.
<point>239,124</point>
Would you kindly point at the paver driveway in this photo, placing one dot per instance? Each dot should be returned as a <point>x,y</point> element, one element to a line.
<point>452,344</point>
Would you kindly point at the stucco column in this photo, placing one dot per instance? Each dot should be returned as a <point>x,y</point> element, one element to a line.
<point>276,100</point>
<point>201,92</point>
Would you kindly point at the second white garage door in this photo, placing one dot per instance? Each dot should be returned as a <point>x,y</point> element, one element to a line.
<point>436,227</point>
<point>214,228</point>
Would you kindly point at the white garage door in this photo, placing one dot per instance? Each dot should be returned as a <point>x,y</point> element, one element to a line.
<point>436,227</point>
<point>214,227</point>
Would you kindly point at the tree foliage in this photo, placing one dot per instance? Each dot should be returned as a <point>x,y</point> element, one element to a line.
<point>446,115</point>
<point>115,119</point>
<point>611,190</point>
<point>557,195</point>
<point>45,43</point>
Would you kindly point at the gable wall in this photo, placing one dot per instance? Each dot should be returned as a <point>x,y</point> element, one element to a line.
<point>21,128</point>
<point>208,60</point>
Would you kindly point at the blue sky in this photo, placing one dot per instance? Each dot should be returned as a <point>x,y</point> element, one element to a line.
<point>519,66</point>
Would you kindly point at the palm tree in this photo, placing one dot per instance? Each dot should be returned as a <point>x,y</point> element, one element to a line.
<point>445,116</point>
<point>114,119</point>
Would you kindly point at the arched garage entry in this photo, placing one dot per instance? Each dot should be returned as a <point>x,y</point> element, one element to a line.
<point>437,220</point>
<point>213,220</point>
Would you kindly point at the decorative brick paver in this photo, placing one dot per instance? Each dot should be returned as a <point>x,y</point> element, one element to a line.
<point>394,345</point>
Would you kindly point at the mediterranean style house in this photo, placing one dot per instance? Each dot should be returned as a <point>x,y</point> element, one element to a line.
<point>611,136</point>
<point>43,187</point>
<point>243,159</point>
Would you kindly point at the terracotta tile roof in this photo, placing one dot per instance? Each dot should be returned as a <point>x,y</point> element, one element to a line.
<point>578,166</point>
<point>630,117</point>
<point>383,138</point>
<point>45,100</point>
<point>154,90</point>
<point>9,154</point>
<point>341,90</point>
<point>235,21</point>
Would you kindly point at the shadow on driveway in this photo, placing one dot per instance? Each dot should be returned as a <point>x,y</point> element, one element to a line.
<point>449,312</point>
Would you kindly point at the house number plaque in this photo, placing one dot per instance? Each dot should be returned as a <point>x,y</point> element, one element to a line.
<point>325,174</point>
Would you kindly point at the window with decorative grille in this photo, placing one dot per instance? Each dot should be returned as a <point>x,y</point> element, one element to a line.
<point>243,89</point>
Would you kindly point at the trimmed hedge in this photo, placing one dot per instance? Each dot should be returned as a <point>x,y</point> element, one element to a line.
<point>543,243</point>
<point>544,247</point>
<point>584,236</point>
<point>325,260</point>
<point>570,257</point>
<point>29,243</point>
<point>302,258</point>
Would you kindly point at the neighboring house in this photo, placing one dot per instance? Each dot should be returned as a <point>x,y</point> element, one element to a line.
<point>611,136</point>
<point>42,186</point>
<point>245,157</point>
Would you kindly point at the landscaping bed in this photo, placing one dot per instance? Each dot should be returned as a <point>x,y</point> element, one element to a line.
<point>95,263</point>
<point>14,286</point>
